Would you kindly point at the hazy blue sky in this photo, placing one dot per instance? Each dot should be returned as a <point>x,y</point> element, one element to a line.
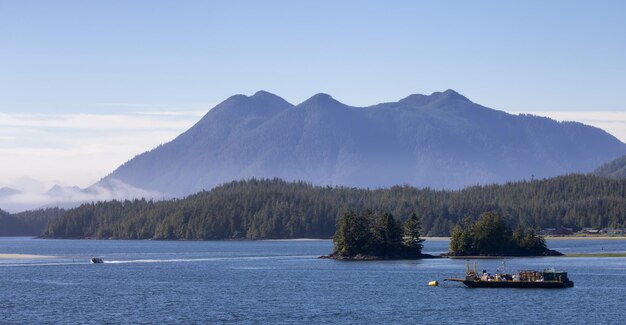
<point>99,56</point>
<point>77,77</point>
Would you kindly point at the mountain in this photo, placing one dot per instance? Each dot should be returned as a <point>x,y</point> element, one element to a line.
<point>613,169</point>
<point>7,192</point>
<point>59,191</point>
<point>442,140</point>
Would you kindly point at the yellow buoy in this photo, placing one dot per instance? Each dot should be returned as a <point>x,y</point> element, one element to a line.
<point>433,283</point>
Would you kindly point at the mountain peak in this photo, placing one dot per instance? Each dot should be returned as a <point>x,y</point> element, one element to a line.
<point>56,187</point>
<point>321,96</point>
<point>265,95</point>
<point>415,99</point>
<point>262,93</point>
<point>321,99</point>
<point>7,191</point>
<point>260,101</point>
<point>58,190</point>
<point>420,100</point>
<point>448,94</point>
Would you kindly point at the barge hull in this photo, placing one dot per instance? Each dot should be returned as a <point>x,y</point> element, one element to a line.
<point>518,284</point>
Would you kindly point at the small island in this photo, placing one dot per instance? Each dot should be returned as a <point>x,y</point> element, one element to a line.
<point>377,236</point>
<point>491,235</point>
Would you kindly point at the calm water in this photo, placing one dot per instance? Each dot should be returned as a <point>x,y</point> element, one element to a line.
<point>284,282</point>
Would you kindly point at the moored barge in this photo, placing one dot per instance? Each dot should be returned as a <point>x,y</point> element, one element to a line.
<point>548,279</point>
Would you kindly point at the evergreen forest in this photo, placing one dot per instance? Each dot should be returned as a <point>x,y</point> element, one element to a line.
<point>258,209</point>
<point>27,223</point>
<point>492,235</point>
<point>367,235</point>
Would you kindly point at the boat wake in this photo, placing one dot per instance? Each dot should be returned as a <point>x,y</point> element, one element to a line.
<point>41,264</point>
<point>85,260</point>
<point>210,259</point>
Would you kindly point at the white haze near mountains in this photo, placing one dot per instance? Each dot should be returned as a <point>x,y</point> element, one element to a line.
<point>79,149</point>
<point>39,151</point>
<point>32,196</point>
<point>612,122</point>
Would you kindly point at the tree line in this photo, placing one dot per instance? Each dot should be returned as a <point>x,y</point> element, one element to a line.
<point>256,209</point>
<point>27,223</point>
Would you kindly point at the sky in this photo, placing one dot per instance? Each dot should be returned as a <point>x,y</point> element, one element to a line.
<point>87,85</point>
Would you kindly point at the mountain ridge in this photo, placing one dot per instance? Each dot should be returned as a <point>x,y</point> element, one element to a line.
<point>442,140</point>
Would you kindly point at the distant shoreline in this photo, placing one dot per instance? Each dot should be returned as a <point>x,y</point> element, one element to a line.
<point>436,238</point>
<point>297,239</point>
<point>24,256</point>
<point>591,237</point>
<point>587,237</point>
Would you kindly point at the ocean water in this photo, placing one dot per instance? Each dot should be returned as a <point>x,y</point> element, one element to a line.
<point>257,282</point>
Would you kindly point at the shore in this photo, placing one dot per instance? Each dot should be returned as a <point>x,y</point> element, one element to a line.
<point>587,237</point>
<point>297,239</point>
<point>24,256</point>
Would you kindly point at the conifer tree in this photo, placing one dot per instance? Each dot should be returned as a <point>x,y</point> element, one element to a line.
<point>412,232</point>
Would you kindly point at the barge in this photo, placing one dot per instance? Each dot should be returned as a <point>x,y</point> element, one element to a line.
<point>548,279</point>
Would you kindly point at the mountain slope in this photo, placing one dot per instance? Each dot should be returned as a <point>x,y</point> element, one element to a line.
<point>614,169</point>
<point>442,140</point>
<point>7,192</point>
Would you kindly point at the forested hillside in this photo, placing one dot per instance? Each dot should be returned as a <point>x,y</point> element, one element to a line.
<point>278,209</point>
<point>27,223</point>
<point>614,168</point>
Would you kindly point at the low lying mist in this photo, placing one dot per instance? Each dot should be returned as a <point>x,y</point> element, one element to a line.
<point>67,197</point>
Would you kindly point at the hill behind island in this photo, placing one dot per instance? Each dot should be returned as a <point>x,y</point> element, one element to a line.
<point>442,140</point>
<point>258,209</point>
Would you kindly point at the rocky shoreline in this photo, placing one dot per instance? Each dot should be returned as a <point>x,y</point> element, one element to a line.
<point>360,257</point>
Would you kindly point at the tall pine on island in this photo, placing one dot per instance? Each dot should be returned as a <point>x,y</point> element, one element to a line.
<point>373,236</point>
